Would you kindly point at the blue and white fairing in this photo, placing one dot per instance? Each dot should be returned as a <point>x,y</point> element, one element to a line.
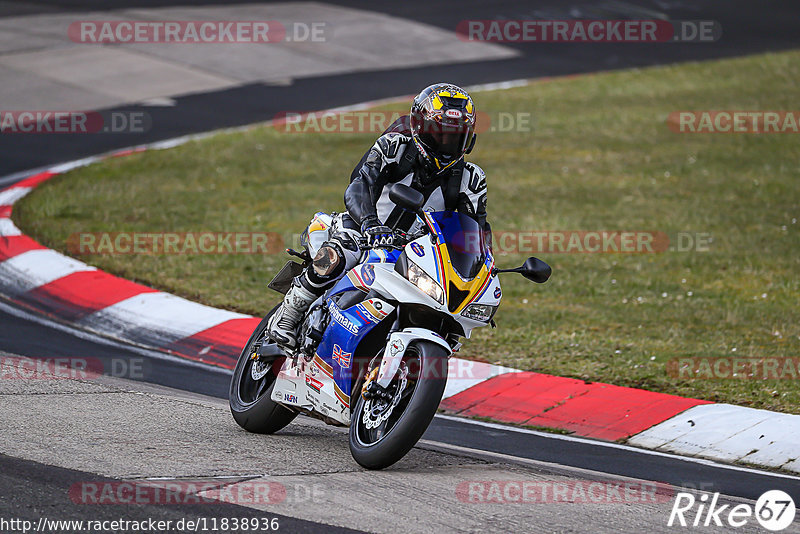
<point>324,384</point>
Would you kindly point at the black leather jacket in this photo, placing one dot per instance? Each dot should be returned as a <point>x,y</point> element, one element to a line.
<point>394,158</point>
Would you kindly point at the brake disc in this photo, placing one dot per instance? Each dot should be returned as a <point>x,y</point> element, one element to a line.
<point>375,415</point>
<point>259,369</point>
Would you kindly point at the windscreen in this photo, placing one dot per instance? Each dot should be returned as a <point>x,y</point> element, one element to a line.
<point>465,242</point>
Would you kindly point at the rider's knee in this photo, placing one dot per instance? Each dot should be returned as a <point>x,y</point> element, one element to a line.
<point>329,262</point>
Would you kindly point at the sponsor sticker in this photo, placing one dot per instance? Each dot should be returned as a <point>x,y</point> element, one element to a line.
<point>346,323</point>
<point>396,347</point>
<point>418,250</point>
<point>313,383</point>
<point>368,274</point>
<point>374,310</point>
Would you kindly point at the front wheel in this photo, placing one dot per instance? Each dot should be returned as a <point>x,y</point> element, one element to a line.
<point>250,395</point>
<point>383,431</point>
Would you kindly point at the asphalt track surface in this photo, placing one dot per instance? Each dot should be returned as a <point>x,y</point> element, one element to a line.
<point>23,336</point>
<point>103,428</point>
<point>39,493</point>
<point>748,28</point>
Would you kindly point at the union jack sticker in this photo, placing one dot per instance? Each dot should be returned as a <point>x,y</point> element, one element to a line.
<point>341,357</point>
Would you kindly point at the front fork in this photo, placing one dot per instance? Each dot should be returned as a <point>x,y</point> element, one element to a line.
<point>396,348</point>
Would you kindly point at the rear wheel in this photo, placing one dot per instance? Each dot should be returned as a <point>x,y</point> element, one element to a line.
<point>383,431</point>
<point>251,387</point>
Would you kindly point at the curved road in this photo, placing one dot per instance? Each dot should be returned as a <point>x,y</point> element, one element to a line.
<point>453,451</point>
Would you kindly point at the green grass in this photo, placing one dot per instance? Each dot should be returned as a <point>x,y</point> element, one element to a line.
<point>600,156</point>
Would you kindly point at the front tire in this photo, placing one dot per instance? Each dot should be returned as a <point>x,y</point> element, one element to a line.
<point>250,395</point>
<point>383,445</point>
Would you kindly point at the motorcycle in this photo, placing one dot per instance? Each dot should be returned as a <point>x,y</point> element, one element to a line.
<point>373,350</point>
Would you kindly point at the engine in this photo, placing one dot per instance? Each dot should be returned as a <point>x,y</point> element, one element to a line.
<point>311,330</point>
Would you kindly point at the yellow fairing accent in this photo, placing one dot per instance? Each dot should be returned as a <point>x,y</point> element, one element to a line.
<point>472,287</point>
<point>316,225</point>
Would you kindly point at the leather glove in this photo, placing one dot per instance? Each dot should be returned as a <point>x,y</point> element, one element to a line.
<point>376,234</point>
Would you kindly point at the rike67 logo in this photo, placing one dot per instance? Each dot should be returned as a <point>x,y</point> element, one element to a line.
<point>774,511</point>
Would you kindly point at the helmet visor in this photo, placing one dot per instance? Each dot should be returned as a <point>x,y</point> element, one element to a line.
<point>445,139</point>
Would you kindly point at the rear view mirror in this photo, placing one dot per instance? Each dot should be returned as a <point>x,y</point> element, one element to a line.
<point>536,270</point>
<point>533,269</point>
<point>406,197</point>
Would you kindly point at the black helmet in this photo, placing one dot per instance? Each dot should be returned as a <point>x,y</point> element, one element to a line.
<point>443,125</point>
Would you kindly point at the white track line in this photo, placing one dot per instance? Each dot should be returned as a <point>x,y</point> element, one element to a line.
<point>612,445</point>
<point>8,228</point>
<point>15,177</point>
<point>171,317</point>
<point>12,194</point>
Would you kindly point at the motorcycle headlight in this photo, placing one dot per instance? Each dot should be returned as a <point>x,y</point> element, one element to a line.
<point>479,312</point>
<point>425,283</point>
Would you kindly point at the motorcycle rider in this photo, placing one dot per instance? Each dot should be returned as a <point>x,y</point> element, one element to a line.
<point>428,155</point>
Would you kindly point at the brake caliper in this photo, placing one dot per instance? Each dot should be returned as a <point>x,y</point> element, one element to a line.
<point>372,390</point>
<point>368,382</point>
